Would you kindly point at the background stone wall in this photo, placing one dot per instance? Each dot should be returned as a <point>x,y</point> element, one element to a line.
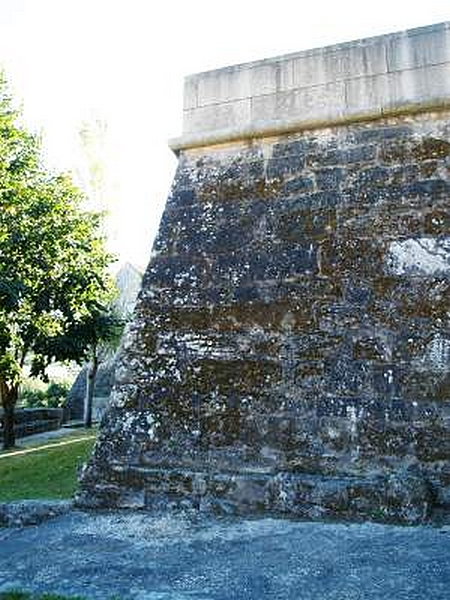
<point>290,346</point>
<point>28,421</point>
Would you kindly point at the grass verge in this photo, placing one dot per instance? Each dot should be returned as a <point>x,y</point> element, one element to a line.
<point>45,471</point>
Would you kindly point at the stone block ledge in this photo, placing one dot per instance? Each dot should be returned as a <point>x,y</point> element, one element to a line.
<point>402,497</point>
<point>267,129</point>
<point>24,513</point>
<point>399,73</point>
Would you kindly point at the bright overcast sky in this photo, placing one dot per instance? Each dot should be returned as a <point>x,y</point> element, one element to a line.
<point>123,62</point>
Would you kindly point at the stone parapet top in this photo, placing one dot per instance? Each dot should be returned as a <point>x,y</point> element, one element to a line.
<point>401,72</point>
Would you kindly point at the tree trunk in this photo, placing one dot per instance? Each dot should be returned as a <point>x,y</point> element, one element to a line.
<point>9,398</point>
<point>91,375</point>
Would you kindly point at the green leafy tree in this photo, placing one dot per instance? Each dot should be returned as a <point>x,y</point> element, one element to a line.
<point>54,278</point>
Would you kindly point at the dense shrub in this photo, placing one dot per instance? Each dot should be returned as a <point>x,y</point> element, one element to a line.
<point>53,397</point>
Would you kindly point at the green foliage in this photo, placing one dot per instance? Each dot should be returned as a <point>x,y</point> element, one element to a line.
<point>49,473</point>
<point>105,330</point>
<point>32,398</point>
<point>54,396</point>
<point>54,281</point>
<point>57,393</point>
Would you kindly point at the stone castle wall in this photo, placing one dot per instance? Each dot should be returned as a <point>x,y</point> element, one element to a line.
<point>290,347</point>
<point>365,79</point>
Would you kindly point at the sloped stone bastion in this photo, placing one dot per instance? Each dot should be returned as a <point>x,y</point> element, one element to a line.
<point>290,348</point>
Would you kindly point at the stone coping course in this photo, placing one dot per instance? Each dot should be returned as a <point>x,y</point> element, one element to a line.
<point>398,73</point>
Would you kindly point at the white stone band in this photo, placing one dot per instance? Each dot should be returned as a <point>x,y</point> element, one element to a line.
<point>390,74</point>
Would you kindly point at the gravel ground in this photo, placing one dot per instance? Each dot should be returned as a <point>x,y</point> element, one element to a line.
<point>181,557</point>
<point>49,436</point>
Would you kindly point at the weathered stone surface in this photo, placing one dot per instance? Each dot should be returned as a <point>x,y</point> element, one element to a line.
<point>74,406</point>
<point>290,347</point>
<point>31,512</point>
<point>366,78</point>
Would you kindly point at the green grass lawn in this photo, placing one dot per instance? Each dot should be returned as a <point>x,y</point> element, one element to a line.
<point>48,470</point>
